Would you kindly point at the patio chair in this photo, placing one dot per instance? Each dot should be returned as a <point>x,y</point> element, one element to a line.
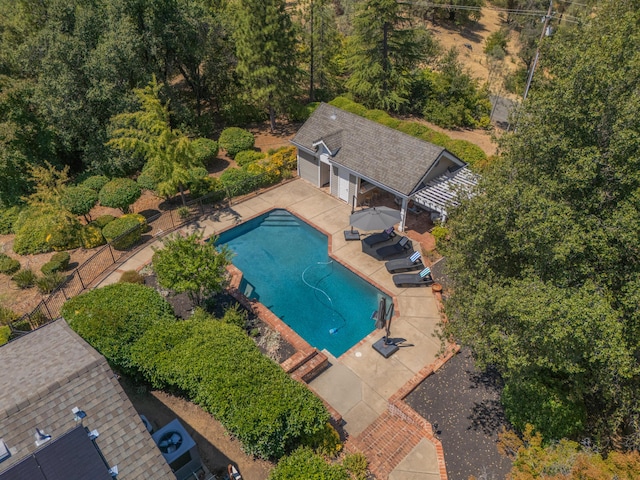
<point>407,264</point>
<point>397,248</point>
<point>376,238</point>
<point>421,279</point>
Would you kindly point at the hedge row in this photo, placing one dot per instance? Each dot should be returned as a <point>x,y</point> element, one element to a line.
<point>215,364</point>
<point>259,173</point>
<point>113,318</point>
<point>467,151</point>
<point>220,368</point>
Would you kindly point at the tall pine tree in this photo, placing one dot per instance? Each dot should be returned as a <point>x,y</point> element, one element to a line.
<point>322,46</point>
<point>168,152</point>
<point>267,53</point>
<point>384,52</point>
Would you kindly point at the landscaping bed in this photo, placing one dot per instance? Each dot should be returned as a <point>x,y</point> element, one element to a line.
<point>268,340</point>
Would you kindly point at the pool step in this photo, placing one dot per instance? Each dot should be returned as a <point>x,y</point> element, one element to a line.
<point>306,365</point>
<point>279,221</point>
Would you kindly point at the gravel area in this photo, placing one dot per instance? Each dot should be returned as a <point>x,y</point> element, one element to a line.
<point>463,405</point>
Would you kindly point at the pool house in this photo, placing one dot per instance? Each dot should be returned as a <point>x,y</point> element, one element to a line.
<point>357,158</point>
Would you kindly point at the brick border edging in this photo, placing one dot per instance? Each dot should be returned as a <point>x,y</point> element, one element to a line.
<point>396,405</point>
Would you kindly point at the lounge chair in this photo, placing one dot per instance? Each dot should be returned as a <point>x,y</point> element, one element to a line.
<point>414,262</point>
<point>397,248</point>
<point>413,279</point>
<point>376,238</point>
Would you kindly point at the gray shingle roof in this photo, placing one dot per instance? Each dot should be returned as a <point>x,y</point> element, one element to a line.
<point>47,373</point>
<point>380,153</point>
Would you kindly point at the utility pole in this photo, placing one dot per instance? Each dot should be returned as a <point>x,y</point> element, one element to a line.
<point>547,17</point>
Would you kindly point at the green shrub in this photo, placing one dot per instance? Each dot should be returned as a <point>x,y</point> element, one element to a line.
<point>91,236</point>
<point>248,156</point>
<point>119,193</point>
<point>148,180</point>
<point>235,139</point>
<point>325,442</point>
<point>112,318</point>
<point>95,182</point>
<point>238,181</point>
<point>141,219</point>
<point>103,220</point>
<point>58,263</point>
<point>235,315</point>
<point>249,394</point>
<point>7,315</point>
<point>8,216</point>
<point>304,463</point>
<point>357,465</point>
<point>24,278</point>
<point>440,233</point>
<point>349,105</point>
<point>183,213</point>
<point>131,276</point>
<point>205,186</point>
<point>44,232</point>
<point>50,282</point>
<point>25,214</point>
<point>466,151</point>
<point>239,112</point>
<point>8,265</point>
<point>284,157</point>
<point>414,129</point>
<point>515,81</point>
<point>5,334</point>
<point>123,232</point>
<point>205,150</point>
<point>496,44</point>
<point>79,200</point>
<point>298,112</point>
<point>554,413</point>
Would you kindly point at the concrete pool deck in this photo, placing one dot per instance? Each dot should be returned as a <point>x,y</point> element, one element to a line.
<point>362,386</point>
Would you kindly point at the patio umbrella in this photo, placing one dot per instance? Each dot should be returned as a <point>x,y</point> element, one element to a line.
<point>381,313</point>
<point>375,218</point>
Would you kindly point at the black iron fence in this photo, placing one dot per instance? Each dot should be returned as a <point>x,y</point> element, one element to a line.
<point>84,276</point>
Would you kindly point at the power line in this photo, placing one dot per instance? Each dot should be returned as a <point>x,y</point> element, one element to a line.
<point>474,8</point>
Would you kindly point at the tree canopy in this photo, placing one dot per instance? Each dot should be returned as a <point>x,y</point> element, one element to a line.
<point>544,265</point>
<point>191,265</point>
<point>383,54</point>
<point>167,151</point>
<point>266,51</point>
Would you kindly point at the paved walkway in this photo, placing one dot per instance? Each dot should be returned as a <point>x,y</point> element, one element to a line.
<point>362,386</point>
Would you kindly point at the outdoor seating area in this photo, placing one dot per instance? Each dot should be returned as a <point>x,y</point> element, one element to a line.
<point>421,279</point>
<point>407,264</point>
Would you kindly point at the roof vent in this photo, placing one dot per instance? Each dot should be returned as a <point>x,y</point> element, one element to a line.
<point>333,116</point>
<point>41,437</point>
<point>4,451</point>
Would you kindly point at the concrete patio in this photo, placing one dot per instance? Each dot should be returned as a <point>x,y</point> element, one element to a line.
<point>360,383</point>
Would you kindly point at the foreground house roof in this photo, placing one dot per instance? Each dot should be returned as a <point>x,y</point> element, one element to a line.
<point>388,156</point>
<point>44,376</point>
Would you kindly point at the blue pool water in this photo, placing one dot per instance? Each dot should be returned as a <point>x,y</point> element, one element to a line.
<point>286,266</point>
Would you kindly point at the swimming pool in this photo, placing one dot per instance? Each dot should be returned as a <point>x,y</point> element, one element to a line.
<point>286,266</point>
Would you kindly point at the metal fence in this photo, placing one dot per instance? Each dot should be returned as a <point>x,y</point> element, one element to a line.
<point>83,277</point>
